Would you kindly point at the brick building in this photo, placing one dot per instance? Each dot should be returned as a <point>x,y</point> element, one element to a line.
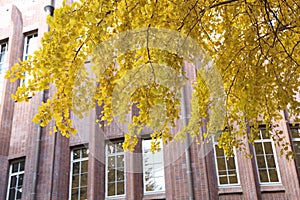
<point>37,165</point>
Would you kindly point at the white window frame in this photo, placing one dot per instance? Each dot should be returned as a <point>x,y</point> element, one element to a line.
<point>106,171</point>
<point>18,173</point>
<point>3,66</point>
<point>262,141</point>
<point>215,143</point>
<point>296,140</point>
<point>1,52</point>
<point>26,53</point>
<point>144,177</point>
<point>71,169</point>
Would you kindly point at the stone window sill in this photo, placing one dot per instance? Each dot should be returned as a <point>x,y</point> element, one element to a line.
<point>154,196</point>
<point>272,188</point>
<point>230,190</point>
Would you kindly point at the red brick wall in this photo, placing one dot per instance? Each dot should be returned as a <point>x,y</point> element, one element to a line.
<point>18,138</point>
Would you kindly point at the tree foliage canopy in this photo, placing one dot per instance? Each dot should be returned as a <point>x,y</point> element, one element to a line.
<point>254,45</point>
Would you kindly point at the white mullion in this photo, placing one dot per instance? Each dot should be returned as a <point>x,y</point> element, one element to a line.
<point>17,182</point>
<point>276,162</point>
<point>226,168</point>
<point>106,170</point>
<point>71,176</point>
<point>266,163</point>
<point>116,183</point>
<point>79,176</point>
<point>216,162</point>
<point>8,188</point>
<point>16,186</point>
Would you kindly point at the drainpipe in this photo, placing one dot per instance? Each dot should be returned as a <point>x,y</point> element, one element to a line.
<point>187,144</point>
<point>39,129</point>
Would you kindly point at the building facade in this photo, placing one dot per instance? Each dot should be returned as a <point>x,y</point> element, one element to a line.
<point>92,164</point>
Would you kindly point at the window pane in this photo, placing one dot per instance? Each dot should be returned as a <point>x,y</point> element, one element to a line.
<point>20,181</point>
<point>76,166</point>
<point>120,188</point>
<point>83,180</point>
<point>19,194</point>
<point>22,165</point>
<point>76,154</point>
<point>231,163</point>
<point>271,161</point>
<point>111,189</point>
<point>158,157</point>
<point>120,175</point>
<point>268,147</point>
<point>150,185</point>
<point>263,176</point>
<point>111,162</point>
<point>223,180</point>
<point>13,181</point>
<point>111,175</point>
<point>75,181</point>
<point>265,134</point>
<point>159,183</point>
<point>273,175</point>
<point>74,194</point>
<point>110,148</point>
<point>219,151</point>
<point>296,146</point>
<point>12,194</point>
<point>258,148</point>
<point>15,167</point>
<point>261,161</point>
<point>119,147</point>
<point>233,179</point>
<point>120,161</point>
<point>146,145</point>
<point>84,166</point>
<point>84,153</point>
<point>298,159</point>
<point>83,193</point>
<point>221,164</point>
<point>295,132</point>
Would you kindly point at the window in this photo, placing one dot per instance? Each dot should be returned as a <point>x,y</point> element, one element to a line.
<point>295,132</point>
<point>79,174</point>
<point>226,167</point>
<point>3,66</point>
<point>153,169</point>
<point>266,158</point>
<point>15,182</point>
<point>115,169</point>
<point>30,46</point>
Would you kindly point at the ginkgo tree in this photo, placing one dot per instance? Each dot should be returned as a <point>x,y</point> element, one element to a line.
<point>252,46</point>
